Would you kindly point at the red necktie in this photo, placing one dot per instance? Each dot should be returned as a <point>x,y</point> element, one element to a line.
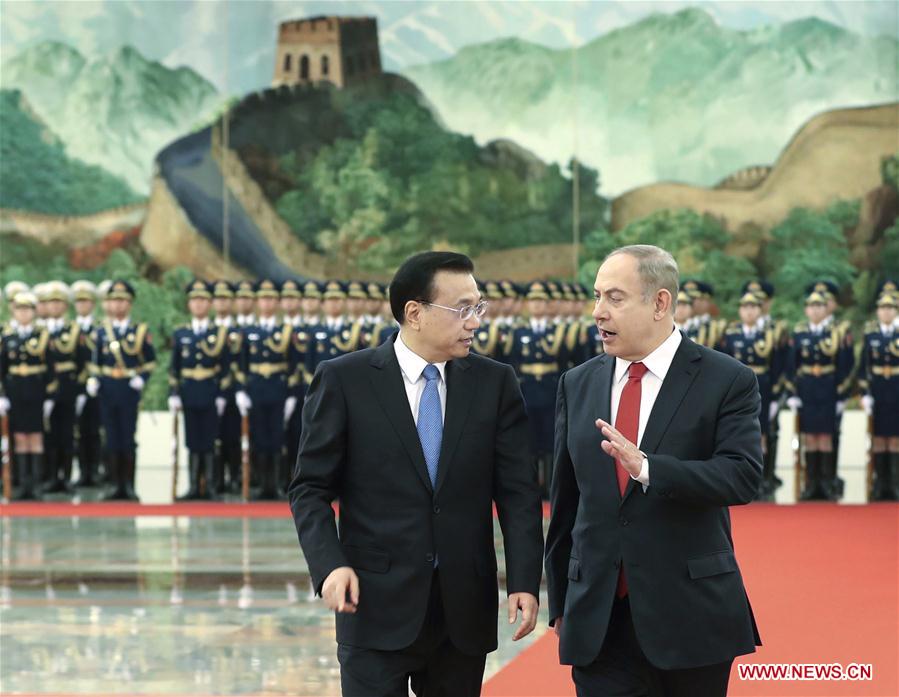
<point>627,422</point>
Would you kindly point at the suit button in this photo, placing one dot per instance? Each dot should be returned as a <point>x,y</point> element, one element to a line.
<point>623,521</point>
<point>429,558</point>
<point>436,509</point>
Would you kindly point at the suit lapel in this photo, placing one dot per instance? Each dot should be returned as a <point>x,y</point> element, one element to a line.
<point>601,389</point>
<point>681,374</point>
<point>461,393</point>
<point>390,391</point>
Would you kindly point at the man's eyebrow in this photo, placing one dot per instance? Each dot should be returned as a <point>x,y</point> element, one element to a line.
<point>597,291</point>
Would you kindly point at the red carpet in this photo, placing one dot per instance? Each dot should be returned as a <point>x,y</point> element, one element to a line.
<point>824,585</point>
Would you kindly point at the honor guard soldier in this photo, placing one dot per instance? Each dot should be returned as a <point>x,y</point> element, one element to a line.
<point>819,375</point>
<point>70,367</point>
<point>683,311</point>
<point>693,327</point>
<point>10,291</point>
<point>312,303</point>
<point>87,409</point>
<point>879,384</point>
<point>199,365</point>
<point>356,304</point>
<point>383,326</point>
<point>291,298</point>
<point>244,304</point>
<point>121,365</point>
<point>533,351</point>
<point>764,290</point>
<point>754,347</point>
<point>27,386</point>
<point>710,328</point>
<point>487,339</point>
<point>292,303</point>
<point>268,362</point>
<point>228,459</point>
<point>333,336</point>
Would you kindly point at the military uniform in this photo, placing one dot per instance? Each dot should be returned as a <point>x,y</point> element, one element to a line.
<point>268,365</point>
<point>122,363</point>
<point>332,337</point>
<point>199,365</point>
<point>533,350</point>
<point>228,459</point>
<point>28,384</point>
<point>879,384</point>
<point>819,374</point>
<point>300,339</point>
<point>382,327</point>
<point>754,348</point>
<point>69,365</point>
<point>87,408</point>
<point>489,337</point>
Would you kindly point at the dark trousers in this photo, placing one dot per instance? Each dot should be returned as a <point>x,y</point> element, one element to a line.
<point>267,427</point>
<point>200,428</point>
<point>622,670</point>
<point>118,412</point>
<point>434,666</point>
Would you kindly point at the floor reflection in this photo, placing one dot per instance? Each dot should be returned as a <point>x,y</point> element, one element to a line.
<point>167,606</point>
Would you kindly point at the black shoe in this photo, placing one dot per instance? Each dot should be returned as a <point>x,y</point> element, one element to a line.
<point>114,466</point>
<point>812,491</point>
<point>129,472</point>
<point>193,491</point>
<point>880,489</point>
<point>26,482</point>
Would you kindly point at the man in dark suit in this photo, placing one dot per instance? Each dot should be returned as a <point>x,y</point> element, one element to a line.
<point>654,440</point>
<point>418,440</point>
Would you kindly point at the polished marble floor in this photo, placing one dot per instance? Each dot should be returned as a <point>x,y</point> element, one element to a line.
<point>167,605</point>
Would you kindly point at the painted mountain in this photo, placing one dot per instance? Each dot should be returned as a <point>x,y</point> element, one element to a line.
<point>671,97</point>
<point>117,110</point>
<point>37,175</point>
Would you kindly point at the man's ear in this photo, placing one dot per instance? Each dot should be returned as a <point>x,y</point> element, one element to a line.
<point>412,312</point>
<point>663,304</point>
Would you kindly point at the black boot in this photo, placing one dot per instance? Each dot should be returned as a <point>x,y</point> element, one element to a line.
<point>267,477</point>
<point>769,478</point>
<point>213,475</point>
<point>129,464</point>
<point>115,477</point>
<point>49,478</point>
<point>65,470</point>
<point>26,481</point>
<point>831,489</point>
<point>810,492</point>
<point>38,471</point>
<point>193,491</point>
<point>894,476</point>
<point>234,459</point>
<point>85,465</point>
<point>880,489</point>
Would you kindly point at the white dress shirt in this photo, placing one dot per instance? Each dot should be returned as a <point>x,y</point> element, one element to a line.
<point>223,322</point>
<point>200,326</point>
<point>887,329</point>
<point>412,366</point>
<point>657,364</point>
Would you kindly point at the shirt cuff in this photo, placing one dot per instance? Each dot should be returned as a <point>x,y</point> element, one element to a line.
<point>643,477</point>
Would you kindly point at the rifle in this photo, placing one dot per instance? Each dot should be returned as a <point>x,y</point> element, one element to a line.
<point>245,457</point>
<point>798,471</point>
<point>4,456</point>
<point>869,470</point>
<point>175,454</point>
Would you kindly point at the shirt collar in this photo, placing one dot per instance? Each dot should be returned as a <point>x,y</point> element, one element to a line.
<point>658,362</point>
<point>411,363</point>
<point>886,328</point>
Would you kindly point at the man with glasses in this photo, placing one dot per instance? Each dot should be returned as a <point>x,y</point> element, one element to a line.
<point>418,439</point>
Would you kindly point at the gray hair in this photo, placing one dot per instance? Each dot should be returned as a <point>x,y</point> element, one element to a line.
<point>657,268</point>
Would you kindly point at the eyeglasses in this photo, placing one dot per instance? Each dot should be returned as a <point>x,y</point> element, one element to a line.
<point>465,313</point>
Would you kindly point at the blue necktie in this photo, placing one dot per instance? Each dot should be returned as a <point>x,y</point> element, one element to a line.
<point>430,421</point>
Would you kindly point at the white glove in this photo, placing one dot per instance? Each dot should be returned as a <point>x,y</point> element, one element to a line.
<point>244,403</point>
<point>137,383</point>
<point>220,405</point>
<point>773,408</point>
<point>868,404</point>
<point>80,401</point>
<point>174,403</point>
<point>840,406</point>
<point>794,403</point>
<point>48,408</point>
<point>92,387</point>
<point>4,406</point>
<point>289,407</point>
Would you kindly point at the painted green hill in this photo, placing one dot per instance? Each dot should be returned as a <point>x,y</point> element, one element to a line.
<point>37,175</point>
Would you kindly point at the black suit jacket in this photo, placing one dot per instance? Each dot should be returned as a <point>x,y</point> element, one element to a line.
<point>359,445</point>
<point>703,443</point>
